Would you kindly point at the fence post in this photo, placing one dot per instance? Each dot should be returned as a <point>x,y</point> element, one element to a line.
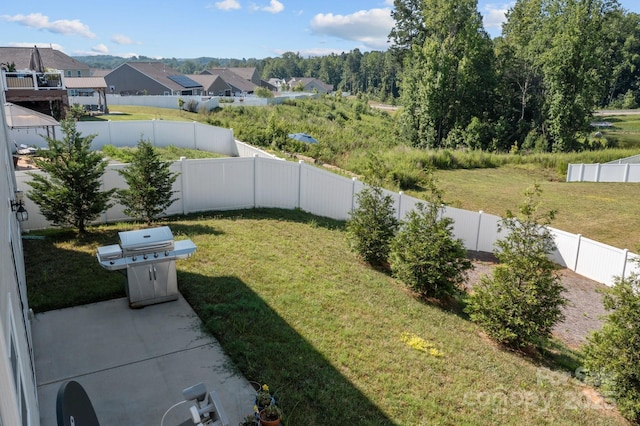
<point>195,137</point>
<point>624,263</point>
<point>184,187</point>
<point>581,172</point>
<point>598,172</point>
<point>575,263</point>
<point>626,172</point>
<point>478,230</point>
<point>400,194</point>
<point>353,193</point>
<point>300,183</point>
<point>255,178</point>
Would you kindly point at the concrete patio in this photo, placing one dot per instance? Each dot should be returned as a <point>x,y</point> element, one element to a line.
<point>133,363</point>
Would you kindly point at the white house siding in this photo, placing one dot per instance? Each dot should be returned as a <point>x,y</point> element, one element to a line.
<point>18,396</point>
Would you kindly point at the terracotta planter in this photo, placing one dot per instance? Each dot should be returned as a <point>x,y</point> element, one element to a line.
<point>264,422</point>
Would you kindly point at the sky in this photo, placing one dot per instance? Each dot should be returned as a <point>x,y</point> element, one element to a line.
<point>213,28</point>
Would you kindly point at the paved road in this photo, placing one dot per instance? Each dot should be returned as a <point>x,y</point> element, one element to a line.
<point>617,112</point>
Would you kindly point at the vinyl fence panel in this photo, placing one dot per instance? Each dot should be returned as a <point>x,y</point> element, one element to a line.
<point>466,226</point>
<point>219,184</point>
<point>600,262</point>
<point>277,183</point>
<point>567,248</point>
<point>324,193</point>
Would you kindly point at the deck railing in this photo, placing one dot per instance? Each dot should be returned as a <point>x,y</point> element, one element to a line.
<point>32,80</point>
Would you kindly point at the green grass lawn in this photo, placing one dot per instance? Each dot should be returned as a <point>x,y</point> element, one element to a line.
<point>337,341</point>
<point>605,212</point>
<point>128,113</point>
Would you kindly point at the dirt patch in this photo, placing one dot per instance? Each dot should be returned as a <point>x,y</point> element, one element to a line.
<point>584,313</point>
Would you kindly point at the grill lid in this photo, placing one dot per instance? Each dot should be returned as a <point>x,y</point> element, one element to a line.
<point>145,240</point>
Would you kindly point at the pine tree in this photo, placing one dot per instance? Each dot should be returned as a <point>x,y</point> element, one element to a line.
<point>68,192</point>
<point>521,303</point>
<point>150,184</point>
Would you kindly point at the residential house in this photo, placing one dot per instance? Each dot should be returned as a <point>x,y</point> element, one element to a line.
<point>248,73</point>
<point>38,84</point>
<point>239,85</point>
<point>212,84</point>
<point>18,389</point>
<point>51,59</point>
<point>150,78</point>
<point>309,84</point>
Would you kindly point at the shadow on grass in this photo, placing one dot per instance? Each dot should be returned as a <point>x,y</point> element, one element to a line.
<point>60,278</point>
<point>268,350</point>
<point>297,216</point>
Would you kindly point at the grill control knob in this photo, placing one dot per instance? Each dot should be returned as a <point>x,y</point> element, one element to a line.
<point>133,258</point>
<point>155,254</point>
<point>144,256</point>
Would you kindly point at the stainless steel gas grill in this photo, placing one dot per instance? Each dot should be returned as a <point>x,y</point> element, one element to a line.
<point>148,257</point>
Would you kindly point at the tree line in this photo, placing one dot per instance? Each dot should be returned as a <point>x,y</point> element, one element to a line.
<point>534,88</point>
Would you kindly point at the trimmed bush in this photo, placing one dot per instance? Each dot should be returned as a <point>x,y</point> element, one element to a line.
<point>521,303</point>
<point>426,256</point>
<point>612,355</point>
<point>372,225</point>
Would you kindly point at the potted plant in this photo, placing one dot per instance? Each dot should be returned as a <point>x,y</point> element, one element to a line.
<point>270,415</point>
<point>249,420</point>
<point>264,398</point>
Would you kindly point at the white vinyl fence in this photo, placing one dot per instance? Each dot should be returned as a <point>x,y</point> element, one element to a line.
<point>256,179</point>
<point>608,172</point>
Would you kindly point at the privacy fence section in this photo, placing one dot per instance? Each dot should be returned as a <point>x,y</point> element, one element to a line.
<point>183,134</point>
<point>608,172</point>
<point>249,182</point>
<point>161,133</point>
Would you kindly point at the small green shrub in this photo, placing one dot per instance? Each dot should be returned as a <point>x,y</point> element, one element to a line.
<point>424,254</point>
<point>263,92</point>
<point>521,303</point>
<point>612,355</point>
<point>372,225</point>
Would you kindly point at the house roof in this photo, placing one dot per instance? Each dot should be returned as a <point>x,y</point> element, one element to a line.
<point>244,72</point>
<point>51,58</point>
<point>233,79</point>
<point>294,81</point>
<point>85,83</point>
<point>98,72</point>
<point>207,80</point>
<point>161,73</point>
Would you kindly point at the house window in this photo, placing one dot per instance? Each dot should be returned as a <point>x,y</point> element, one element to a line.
<point>79,73</point>
<point>68,73</point>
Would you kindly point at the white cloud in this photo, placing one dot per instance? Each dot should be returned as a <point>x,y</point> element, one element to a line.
<point>494,15</point>
<point>227,5</point>
<point>61,26</point>
<point>100,49</point>
<point>274,7</point>
<point>370,27</point>
<point>122,39</point>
